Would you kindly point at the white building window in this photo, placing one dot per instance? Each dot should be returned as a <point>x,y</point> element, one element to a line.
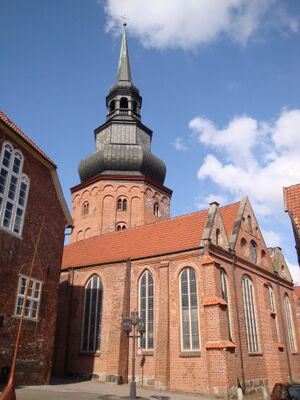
<point>92,315</point>
<point>31,310</point>
<point>146,308</point>
<point>273,309</point>
<point>290,324</point>
<point>14,187</point>
<point>225,296</point>
<point>250,315</point>
<point>189,310</point>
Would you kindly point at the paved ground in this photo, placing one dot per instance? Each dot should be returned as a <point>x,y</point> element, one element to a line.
<point>92,390</point>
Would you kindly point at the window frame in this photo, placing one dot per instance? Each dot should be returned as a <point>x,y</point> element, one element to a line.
<point>98,316</point>
<point>272,303</point>
<point>290,326</point>
<point>30,299</point>
<point>147,274</point>
<point>14,198</point>
<point>191,348</point>
<point>226,297</point>
<point>251,320</point>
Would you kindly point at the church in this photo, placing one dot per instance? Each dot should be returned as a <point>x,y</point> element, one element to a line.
<point>217,304</point>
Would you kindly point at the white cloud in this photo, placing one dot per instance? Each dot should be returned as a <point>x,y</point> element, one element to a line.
<point>272,239</point>
<point>252,158</point>
<point>203,202</point>
<point>179,145</point>
<point>295,272</point>
<point>189,23</point>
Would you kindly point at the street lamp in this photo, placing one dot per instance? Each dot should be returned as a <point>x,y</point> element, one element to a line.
<point>139,325</point>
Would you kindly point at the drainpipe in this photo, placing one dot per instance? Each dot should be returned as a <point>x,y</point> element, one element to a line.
<point>67,341</point>
<point>238,319</point>
<point>128,265</point>
<point>283,329</point>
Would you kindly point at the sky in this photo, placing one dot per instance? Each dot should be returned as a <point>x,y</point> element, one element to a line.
<point>220,84</point>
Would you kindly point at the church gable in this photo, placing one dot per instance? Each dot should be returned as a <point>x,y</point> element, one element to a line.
<point>247,239</point>
<point>215,230</point>
<point>279,263</point>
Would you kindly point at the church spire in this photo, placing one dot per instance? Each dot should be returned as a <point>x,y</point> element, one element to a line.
<point>124,72</point>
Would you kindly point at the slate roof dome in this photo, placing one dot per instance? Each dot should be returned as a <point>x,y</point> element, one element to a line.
<point>123,143</point>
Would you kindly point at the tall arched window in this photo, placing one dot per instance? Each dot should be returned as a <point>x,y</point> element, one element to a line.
<point>253,251</point>
<point>92,313</point>
<point>273,309</point>
<point>112,106</point>
<point>250,315</point>
<point>225,296</point>
<point>14,187</point>
<point>243,246</point>
<point>290,324</point>
<point>146,308</point>
<point>189,310</point>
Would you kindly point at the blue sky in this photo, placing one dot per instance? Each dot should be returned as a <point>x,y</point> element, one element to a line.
<point>220,85</point>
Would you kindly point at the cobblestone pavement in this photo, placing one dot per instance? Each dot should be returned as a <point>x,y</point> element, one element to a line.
<point>92,390</point>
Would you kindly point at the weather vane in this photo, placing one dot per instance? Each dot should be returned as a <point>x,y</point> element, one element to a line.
<point>124,19</point>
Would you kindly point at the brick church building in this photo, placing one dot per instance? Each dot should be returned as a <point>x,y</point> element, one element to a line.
<point>217,303</point>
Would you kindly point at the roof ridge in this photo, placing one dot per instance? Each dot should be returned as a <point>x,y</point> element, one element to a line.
<point>10,124</point>
<point>176,217</point>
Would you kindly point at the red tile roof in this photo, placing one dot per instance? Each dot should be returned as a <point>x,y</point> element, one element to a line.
<point>228,214</point>
<point>6,121</point>
<point>164,237</point>
<point>292,203</point>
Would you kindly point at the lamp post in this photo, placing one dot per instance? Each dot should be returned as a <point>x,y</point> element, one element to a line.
<point>138,325</point>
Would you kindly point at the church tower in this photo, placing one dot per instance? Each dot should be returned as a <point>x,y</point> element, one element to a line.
<point>122,182</point>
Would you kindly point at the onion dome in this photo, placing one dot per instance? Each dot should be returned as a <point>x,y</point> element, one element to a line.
<point>123,143</point>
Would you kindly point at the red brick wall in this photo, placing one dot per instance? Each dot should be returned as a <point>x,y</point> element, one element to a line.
<point>217,366</point>
<point>35,354</point>
<point>103,215</point>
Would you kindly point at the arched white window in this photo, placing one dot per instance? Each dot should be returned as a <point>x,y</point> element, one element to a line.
<point>189,310</point>
<point>273,309</point>
<point>122,204</point>
<point>250,315</point>
<point>85,208</point>
<point>290,324</point>
<point>225,296</point>
<point>92,314</point>
<point>14,187</point>
<point>146,308</point>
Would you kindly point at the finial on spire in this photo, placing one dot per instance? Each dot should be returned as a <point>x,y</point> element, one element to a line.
<point>124,73</point>
<point>124,19</point>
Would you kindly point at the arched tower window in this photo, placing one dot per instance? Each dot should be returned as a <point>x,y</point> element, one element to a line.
<point>14,186</point>
<point>250,315</point>
<point>253,251</point>
<point>290,324</point>
<point>112,106</point>
<point>146,308</point>
<point>122,204</point>
<point>124,102</point>
<point>92,315</point>
<point>189,310</point>
<point>85,208</point>
<point>225,296</point>
<point>134,106</point>
<point>156,209</point>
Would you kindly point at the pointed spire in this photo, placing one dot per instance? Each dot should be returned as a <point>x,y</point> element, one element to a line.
<point>124,73</point>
